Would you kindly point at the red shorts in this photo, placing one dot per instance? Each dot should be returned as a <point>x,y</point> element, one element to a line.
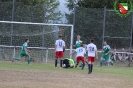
<point>59,54</point>
<point>80,58</point>
<point>91,59</point>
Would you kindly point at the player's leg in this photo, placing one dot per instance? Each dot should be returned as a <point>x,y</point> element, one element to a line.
<point>56,58</point>
<point>101,60</point>
<point>92,61</point>
<point>83,62</point>
<point>61,56</point>
<point>20,56</point>
<point>89,65</point>
<point>75,58</point>
<point>120,57</point>
<point>107,59</point>
<point>77,61</point>
<point>28,56</point>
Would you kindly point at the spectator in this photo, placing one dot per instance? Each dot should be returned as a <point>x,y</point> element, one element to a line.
<point>123,55</point>
<point>114,55</point>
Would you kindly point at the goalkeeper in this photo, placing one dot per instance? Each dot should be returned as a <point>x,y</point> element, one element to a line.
<point>68,63</point>
<point>24,52</point>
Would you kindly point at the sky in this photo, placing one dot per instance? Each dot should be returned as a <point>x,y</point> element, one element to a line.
<point>62,6</point>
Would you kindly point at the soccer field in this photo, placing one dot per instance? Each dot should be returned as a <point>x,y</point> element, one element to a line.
<point>20,75</point>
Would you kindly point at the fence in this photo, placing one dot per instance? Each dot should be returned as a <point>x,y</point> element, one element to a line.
<point>103,24</point>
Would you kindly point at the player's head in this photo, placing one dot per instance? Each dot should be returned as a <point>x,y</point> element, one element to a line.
<point>27,40</point>
<point>83,43</point>
<point>114,50</point>
<point>60,36</point>
<point>78,37</point>
<point>105,43</point>
<point>91,40</point>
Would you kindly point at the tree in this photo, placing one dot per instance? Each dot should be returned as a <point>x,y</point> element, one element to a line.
<point>92,3</point>
<point>31,9</point>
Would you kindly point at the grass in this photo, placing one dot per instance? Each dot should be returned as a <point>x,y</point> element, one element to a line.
<point>46,76</point>
<point>101,70</point>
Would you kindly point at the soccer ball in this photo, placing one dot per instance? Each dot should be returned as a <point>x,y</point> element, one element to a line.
<point>64,65</point>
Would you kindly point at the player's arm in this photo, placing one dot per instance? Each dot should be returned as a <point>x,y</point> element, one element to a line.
<point>27,51</point>
<point>108,51</point>
<point>64,46</point>
<point>73,52</point>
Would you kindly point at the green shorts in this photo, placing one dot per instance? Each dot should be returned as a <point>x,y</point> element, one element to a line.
<point>86,56</point>
<point>105,57</point>
<point>22,54</point>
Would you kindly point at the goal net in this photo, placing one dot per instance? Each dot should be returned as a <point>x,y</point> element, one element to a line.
<point>42,38</point>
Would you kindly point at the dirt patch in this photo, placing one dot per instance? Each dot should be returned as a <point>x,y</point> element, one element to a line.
<point>16,78</point>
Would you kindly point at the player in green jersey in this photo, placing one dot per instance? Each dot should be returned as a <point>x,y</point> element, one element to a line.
<point>78,42</point>
<point>24,52</point>
<point>105,54</point>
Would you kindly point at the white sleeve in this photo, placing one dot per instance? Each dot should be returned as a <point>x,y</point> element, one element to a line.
<point>25,45</point>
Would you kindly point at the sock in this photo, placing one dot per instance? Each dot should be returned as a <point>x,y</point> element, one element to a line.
<point>76,65</point>
<point>55,62</point>
<point>75,62</point>
<point>91,67</point>
<point>83,65</point>
<point>101,64</point>
<point>60,63</point>
<point>28,61</point>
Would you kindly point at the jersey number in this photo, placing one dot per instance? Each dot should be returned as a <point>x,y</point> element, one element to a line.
<point>91,49</point>
<point>60,44</point>
<point>80,50</point>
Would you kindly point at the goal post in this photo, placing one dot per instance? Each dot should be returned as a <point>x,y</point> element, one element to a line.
<point>39,34</point>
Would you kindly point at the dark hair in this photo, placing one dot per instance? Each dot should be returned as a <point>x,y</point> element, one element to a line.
<point>82,44</point>
<point>60,36</point>
<point>26,40</point>
<point>92,40</point>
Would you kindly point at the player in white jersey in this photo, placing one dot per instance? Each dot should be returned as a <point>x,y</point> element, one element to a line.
<point>80,53</point>
<point>92,54</point>
<point>59,50</point>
